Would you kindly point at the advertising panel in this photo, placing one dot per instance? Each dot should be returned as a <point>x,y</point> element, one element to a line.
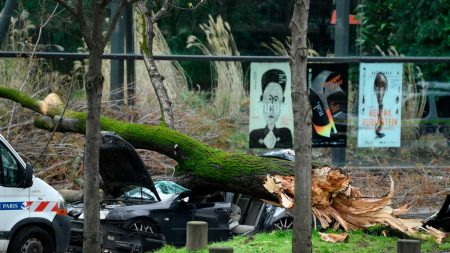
<point>380,104</point>
<point>271,121</point>
<point>328,96</point>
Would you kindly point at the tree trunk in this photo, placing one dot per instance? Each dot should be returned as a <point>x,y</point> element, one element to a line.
<point>5,18</point>
<point>94,86</point>
<point>301,240</point>
<point>156,78</point>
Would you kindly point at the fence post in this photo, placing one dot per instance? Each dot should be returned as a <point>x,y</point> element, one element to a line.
<point>220,250</point>
<point>197,235</point>
<point>408,246</point>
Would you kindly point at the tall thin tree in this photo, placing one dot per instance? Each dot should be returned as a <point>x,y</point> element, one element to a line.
<point>92,22</point>
<point>301,240</point>
<point>5,18</point>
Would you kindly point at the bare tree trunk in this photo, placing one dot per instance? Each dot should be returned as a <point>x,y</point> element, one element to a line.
<point>156,78</point>
<point>96,38</point>
<point>94,86</point>
<point>5,18</point>
<point>301,240</point>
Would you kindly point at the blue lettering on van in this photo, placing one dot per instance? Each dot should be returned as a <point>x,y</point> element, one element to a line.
<point>12,206</point>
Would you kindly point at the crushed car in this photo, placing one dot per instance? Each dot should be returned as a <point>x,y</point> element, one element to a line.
<point>441,219</point>
<point>138,214</point>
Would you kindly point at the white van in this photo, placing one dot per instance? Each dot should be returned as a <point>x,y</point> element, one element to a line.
<point>33,215</point>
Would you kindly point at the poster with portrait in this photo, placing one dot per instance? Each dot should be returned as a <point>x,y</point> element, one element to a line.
<point>271,123</point>
<point>328,92</point>
<point>380,104</point>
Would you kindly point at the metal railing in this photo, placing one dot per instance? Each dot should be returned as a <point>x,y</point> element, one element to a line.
<point>346,59</point>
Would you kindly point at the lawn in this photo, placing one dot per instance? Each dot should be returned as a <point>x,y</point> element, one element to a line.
<point>280,242</point>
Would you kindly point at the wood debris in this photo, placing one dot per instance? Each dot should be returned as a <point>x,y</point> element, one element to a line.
<point>333,238</point>
<point>52,100</point>
<point>335,203</point>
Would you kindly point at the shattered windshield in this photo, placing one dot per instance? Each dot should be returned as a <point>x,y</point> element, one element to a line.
<point>169,187</point>
<point>165,189</point>
<point>140,193</point>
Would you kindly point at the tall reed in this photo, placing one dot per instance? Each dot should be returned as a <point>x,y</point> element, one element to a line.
<point>228,75</point>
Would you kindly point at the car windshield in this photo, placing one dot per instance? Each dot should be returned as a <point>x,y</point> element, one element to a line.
<point>164,188</point>
<point>140,193</point>
<point>169,187</point>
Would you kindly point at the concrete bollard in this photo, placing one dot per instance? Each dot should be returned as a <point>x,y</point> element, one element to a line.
<point>197,235</point>
<point>408,246</point>
<point>220,250</point>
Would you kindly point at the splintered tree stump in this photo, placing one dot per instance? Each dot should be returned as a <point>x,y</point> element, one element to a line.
<point>197,235</point>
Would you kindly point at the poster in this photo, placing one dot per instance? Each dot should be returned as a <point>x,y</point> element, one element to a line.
<point>380,104</point>
<point>328,94</point>
<point>271,120</point>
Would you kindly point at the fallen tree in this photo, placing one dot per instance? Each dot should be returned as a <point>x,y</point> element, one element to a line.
<point>334,201</point>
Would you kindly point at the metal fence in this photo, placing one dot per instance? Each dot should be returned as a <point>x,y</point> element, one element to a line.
<point>341,59</point>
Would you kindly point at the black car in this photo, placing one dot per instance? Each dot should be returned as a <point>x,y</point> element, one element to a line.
<point>140,215</point>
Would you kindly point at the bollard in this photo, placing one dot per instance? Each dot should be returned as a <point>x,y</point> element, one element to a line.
<point>197,235</point>
<point>408,246</point>
<point>220,250</point>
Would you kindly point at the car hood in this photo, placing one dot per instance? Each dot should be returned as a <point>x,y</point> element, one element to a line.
<point>121,167</point>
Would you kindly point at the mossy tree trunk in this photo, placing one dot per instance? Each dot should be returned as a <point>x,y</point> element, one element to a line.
<point>334,201</point>
<point>203,166</point>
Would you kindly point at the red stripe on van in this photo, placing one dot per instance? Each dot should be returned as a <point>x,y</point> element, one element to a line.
<point>55,208</point>
<point>41,206</point>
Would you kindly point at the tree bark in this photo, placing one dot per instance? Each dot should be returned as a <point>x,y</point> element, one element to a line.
<point>94,86</point>
<point>96,38</point>
<point>301,239</point>
<point>156,78</point>
<point>5,18</point>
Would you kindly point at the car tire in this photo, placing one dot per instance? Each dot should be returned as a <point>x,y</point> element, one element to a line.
<point>283,224</point>
<point>143,226</point>
<point>32,239</point>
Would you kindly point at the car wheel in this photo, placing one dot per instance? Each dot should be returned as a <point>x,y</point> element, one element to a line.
<point>32,239</point>
<point>142,226</point>
<point>283,224</point>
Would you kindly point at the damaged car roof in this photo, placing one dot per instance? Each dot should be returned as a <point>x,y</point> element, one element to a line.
<point>121,167</point>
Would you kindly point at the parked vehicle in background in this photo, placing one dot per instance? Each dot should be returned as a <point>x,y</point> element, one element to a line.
<point>33,215</point>
<point>436,114</point>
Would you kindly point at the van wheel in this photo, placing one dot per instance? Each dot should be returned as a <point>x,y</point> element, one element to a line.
<point>32,239</point>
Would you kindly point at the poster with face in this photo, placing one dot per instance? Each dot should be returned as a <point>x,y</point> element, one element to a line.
<point>380,104</point>
<point>271,120</point>
<point>328,97</point>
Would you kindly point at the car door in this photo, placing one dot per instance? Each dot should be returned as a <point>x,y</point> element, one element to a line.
<point>13,199</point>
<point>175,220</point>
<point>217,214</point>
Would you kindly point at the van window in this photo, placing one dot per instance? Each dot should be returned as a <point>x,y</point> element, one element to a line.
<point>9,169</point>
<point>443,106</point>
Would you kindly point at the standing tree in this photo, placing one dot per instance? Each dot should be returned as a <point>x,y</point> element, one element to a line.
<point>5,18</point>
<point>91,21</point>
<point>301,241</point>
<point>148,22</point>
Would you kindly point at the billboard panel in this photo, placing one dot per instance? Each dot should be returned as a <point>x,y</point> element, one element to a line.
<point>328,92</point>
<point>271,121</point>
<point>380,104</point>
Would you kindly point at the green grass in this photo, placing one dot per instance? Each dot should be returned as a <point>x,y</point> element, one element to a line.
<point>280,242</point>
